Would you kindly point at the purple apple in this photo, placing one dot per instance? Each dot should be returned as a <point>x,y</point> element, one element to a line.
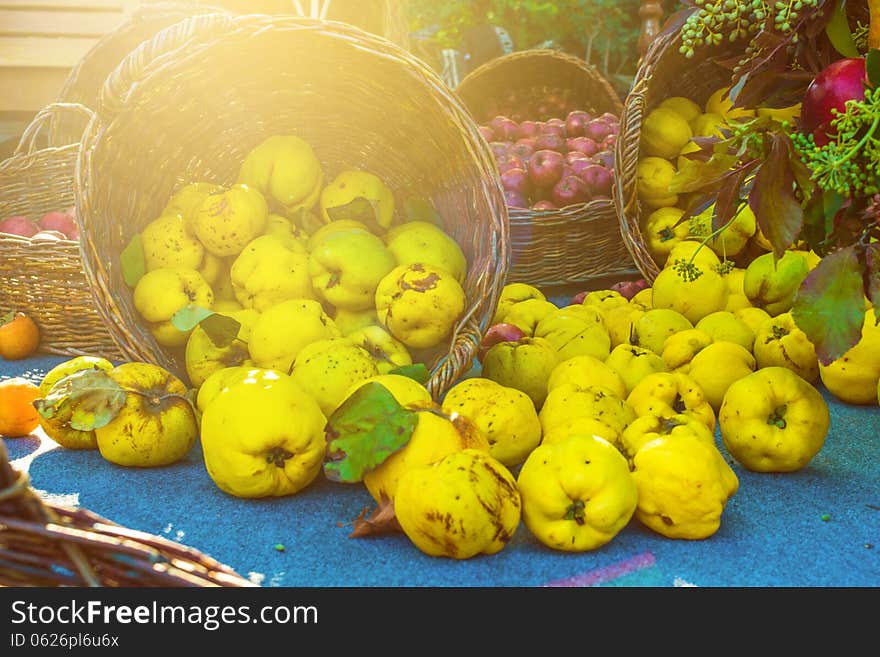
<point>515,199</point>
<point>524,147</point>
<point>608,117</point>
<point>510,161</point>
<point>608,143</point>
<point>499,148</point>
<point>516,180</point>
<point>19,225</point>
<point>597,179</point>
<point>605,158</point>
<point>550,141</point>
<point>496,333</point>
<point>576,121</point>
<point>570,190</point>
<point>60,221</point>
<point>544,204</point>
<point>583,144</point>
<point>545,167</point>
<point>597,130</point>
<point>528,128</point>
<point>553,129</point>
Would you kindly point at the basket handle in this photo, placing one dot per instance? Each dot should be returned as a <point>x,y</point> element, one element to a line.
<point>156,52</point>
<point>28,142</point>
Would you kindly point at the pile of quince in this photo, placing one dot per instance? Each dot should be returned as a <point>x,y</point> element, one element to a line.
<point>666,138</point>
<point>326,280</point>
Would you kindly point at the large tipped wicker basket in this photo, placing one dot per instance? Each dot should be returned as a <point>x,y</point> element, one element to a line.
<point>662,72</point>
<point>572,244</point>
<point>84,82</point>
<point>188,105</point>
<point>48,545</point>
<point>40,276</point>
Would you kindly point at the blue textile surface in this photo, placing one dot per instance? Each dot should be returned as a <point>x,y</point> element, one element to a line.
<point>819,527</point>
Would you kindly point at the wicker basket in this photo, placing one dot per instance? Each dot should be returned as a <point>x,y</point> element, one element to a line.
<point>83,83</point>
<point>190,103</point>
<point>44,277</point>
<point>44,545</point>
<point>662,72</point>
<point>572,244</point>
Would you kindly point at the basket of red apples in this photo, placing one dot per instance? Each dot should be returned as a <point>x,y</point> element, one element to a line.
<point>551,121</point>
<point>41,271</point>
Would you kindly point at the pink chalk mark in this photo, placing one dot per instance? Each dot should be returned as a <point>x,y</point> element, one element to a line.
<point>593,577</point>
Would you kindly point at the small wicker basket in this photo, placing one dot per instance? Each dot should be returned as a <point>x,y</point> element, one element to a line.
<point>43,544</point>
<point>44,277</point>
<point>662,72</point>
<point>189,104</point>
<point>572,244</point>
<point>83,83</point>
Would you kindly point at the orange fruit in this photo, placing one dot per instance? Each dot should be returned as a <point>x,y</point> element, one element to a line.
<point>19,336</point>
<point>18,417</point>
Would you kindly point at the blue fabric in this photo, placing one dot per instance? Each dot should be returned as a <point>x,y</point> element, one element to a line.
<point>819,527</point>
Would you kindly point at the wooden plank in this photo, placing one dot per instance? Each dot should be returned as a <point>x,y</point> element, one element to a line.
<point>29,90</point>
<point>78,5</point>
<point>37,52</point>
<point>54,23</point>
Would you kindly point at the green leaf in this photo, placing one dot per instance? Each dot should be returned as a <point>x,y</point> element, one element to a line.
<point>778,212</point>
<point>134,265</point>
<point>221,329</point>
<point>419,209</point>
<point>417,371</point>
<point>830,307</point>
<point>190,316</point>
<point>85,400</point>
<point>360,209</point>
<point>839,33</point>
<point>368,428</point>
<point>819,214</point>
<point>872,66</point>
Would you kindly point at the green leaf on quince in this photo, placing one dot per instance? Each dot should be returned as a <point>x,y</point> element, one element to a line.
<point>365,430</point>
<point>359,209</point>
<point>419,209</point>
<point>830,306</point>
<point>872,67</point>
<point>417,371</point>
<point>85,400</point>
<point>222,329</point>
<point>839,33</point>
<point>132,260</point>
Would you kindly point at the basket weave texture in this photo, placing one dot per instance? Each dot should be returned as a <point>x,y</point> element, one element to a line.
<point>44,277</point>
<point>43,544</point>
<point>188,105</point>
<point>572,244</point>
<point>83,83</point>
<point>662,72</point>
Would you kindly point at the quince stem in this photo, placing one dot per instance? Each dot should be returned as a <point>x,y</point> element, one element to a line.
<point>777,417</point>
<point>575,511</point>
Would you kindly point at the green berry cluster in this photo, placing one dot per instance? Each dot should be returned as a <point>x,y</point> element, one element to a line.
<point>725,267</point>
<point>717,20</point>
<point>688,271</point>
<point>849,164</point>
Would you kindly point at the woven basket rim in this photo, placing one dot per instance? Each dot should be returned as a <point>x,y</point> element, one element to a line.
<point>194,34</point>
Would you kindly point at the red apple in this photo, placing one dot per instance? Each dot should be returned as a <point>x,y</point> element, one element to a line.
<point>553,129</point>
<point>837,83</point>
<point>516,180</point>
<point>550,141</point>
<point>496,333</point>
<point>60,221</point>
<point>499,147</point>
<point>509,161</point>
<point>605,158</point>
<point>581,163</point>
<point>545,167</point>
<point>630,288</point>
<point>597,130</point>
<point>515,199</point>
<point>570,190</point>
<point>608,117</point>
<point>528,128</point>
<point>524,147</point>
<point>583,144</point>
<point>19,225</point>
<point>597,180</point>
<point>571,156</point>
<point>487,132</point>
<point>578,299</point>
<point>505,128</point>
<point>607,144</point>
<point>544,204</point>
<point>576,121</point>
